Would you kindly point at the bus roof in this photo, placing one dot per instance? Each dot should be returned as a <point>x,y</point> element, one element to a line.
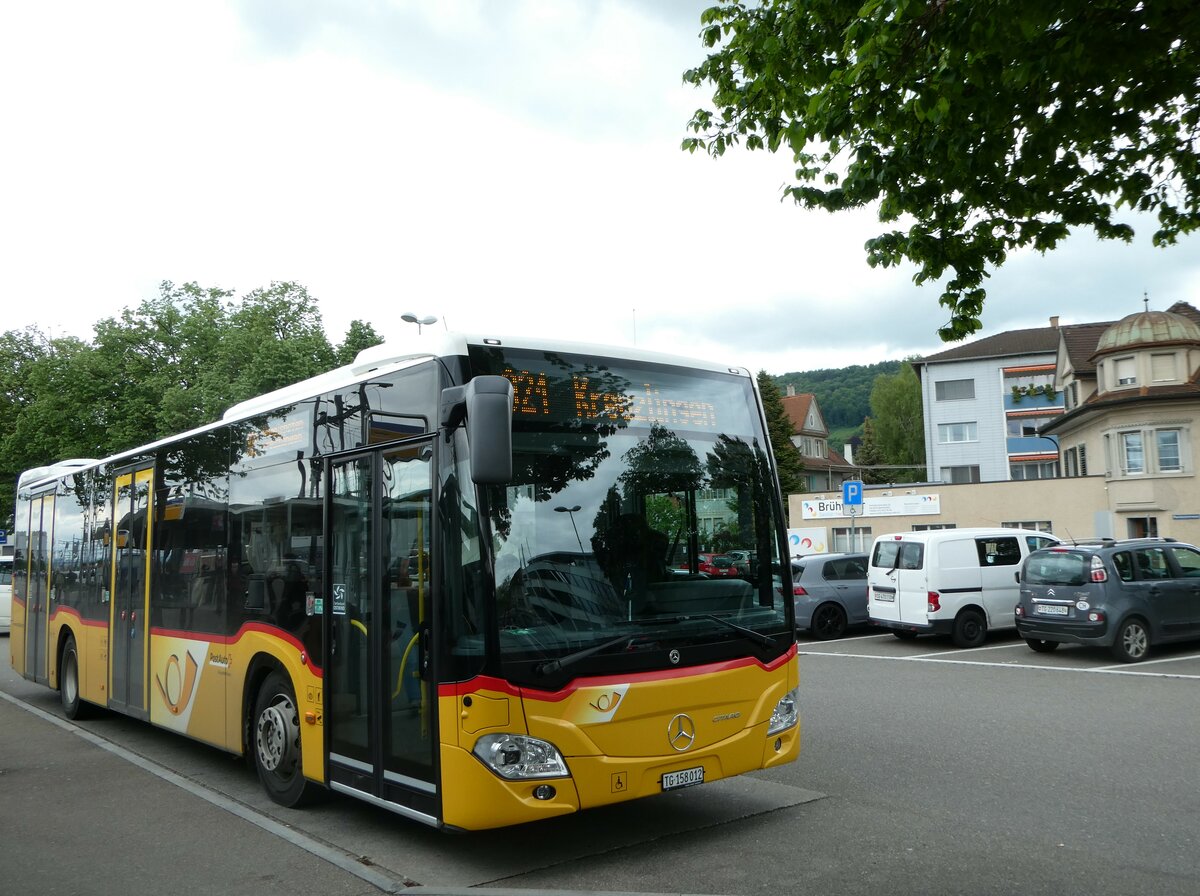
<point>387,357</point>
<point>414,347</point>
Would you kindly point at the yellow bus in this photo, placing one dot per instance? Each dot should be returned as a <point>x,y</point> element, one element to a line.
<point>456,578</point>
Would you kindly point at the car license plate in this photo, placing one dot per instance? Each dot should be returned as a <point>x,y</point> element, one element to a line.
<point>885,597</point>
<point>1053,610</point>
<point>684,778</point>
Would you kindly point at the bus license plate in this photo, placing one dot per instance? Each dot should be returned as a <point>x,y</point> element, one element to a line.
<point>684,778</point>
<point>1052,610</point>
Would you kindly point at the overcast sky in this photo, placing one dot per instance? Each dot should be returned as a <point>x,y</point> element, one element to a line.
<point>507,166</point>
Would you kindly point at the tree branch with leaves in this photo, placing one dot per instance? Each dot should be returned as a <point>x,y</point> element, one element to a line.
<point>975,128</point>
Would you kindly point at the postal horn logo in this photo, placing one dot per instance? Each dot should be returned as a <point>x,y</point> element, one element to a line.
<point>606,702</point>
<point>176,691</point>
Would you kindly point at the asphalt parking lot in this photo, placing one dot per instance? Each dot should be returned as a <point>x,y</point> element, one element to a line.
<point>924,769</point>
<point>1006,649</point>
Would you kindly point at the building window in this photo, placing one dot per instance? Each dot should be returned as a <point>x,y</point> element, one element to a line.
<point>1167,441</point>
<point>1033,470</point>
<point>1075,460</point>
<point>1162,368</point>
<point>844,542</point>
<point>1035,525</point>
<point>1071,396</point>
<point>1024,427</point>
<point>1139,451</point>
<point>1125,371</point>
<point>958,475</point>
<point>957,432</point>
<point>929,527</point>
<point>1133,457</point>
<point>954,390</point>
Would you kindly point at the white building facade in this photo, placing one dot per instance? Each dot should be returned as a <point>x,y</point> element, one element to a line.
<point>983,405</point>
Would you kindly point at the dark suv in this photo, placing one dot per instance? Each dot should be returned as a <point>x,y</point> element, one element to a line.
<point>1124,595</point>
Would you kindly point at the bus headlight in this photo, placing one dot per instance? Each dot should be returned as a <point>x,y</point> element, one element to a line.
<point>515,757</point>
<point>787,712</point>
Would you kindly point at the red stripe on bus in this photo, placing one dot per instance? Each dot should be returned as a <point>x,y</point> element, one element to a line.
<point>489,683</point>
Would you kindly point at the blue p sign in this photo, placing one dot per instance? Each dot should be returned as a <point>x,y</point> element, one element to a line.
<point>852,492</point>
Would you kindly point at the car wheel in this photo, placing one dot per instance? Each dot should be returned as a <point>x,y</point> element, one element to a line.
<point>275,741</point>
<point>970,629</point>
<point>1040,645</point>
<point>905,636</point>
<point>828,622</point>
<point>1133,642</point>
<point>68,681</point>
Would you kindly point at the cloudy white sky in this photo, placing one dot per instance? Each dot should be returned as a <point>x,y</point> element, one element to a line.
<point>506,165</point>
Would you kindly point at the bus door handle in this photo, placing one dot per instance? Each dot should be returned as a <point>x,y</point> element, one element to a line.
<point>423,653</point>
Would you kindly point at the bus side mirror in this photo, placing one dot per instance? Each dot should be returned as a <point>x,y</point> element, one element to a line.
<point>486,403</point>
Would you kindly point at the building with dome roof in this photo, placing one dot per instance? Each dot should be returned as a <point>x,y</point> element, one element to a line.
<point>1130,412</point>
<point>1083,430</point>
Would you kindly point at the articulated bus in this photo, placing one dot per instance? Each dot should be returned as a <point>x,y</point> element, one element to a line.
<point>457,578</point>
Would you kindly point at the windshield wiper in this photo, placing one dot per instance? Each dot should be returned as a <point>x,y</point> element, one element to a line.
<point>757,637</point>
<point>571,659</point>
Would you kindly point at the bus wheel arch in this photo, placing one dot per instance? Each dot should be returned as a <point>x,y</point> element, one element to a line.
<point>272,735</point>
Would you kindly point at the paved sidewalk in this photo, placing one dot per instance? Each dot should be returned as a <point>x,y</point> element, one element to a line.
<point>77,818</point>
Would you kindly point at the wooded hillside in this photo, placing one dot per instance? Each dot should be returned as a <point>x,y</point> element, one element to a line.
<point>844,394</point>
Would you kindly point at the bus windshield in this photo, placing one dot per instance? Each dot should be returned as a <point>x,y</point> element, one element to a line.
<point>642,521</point>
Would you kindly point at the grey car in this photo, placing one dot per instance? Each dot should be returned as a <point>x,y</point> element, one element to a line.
<point>1126,595</point>
<point>830,592</point>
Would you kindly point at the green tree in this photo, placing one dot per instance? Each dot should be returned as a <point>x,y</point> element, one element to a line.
<point>275,338</point>
<point>899,430</point>
<point>779,428</point>
<point>983,127</point>
<point>360,335</point>
<point>869,457</point>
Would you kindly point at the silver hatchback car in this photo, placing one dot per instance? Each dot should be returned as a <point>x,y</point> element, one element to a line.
<point>830,591</point>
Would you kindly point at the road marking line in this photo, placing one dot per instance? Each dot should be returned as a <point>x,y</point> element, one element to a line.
<point>959,650</point>
<point>1105,670</point>
<point>1165,659</point>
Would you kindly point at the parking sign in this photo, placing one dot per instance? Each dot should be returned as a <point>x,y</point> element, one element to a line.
<point>852,492</point>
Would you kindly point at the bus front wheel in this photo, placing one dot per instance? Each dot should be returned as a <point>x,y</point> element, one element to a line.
<point>276,743</point>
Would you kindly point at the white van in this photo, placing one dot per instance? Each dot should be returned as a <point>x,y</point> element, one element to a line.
<point>957,582</point>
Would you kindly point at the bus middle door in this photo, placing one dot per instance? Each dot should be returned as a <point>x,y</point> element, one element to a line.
<point>380,704</point>
<point>129,620</point>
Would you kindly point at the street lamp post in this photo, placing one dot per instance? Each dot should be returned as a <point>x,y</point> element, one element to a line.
<point>572,511</point>
<point>409,317</point>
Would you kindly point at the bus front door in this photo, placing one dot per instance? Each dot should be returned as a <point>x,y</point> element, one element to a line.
<point>380,708</point>
<point>38,593</point>
<point>129,619</point>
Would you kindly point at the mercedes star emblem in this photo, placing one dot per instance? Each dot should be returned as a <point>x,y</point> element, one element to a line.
<point>681,732</point>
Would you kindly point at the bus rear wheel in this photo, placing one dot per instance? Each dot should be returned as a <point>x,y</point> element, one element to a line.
<point>276,743</point>
<point>68,681</point>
